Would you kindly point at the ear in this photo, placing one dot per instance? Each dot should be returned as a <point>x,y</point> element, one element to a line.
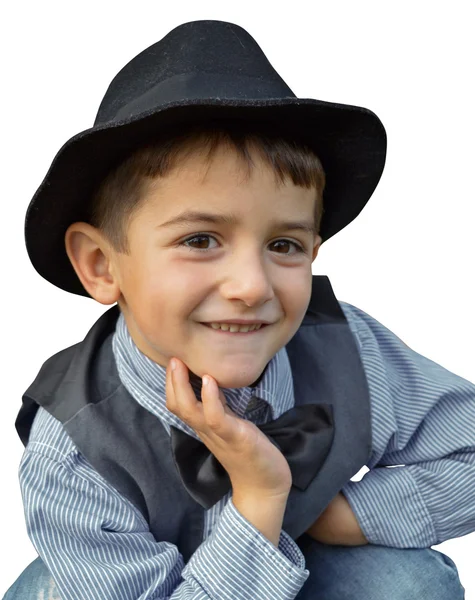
<point>91,257</point>
<point>316,247</point>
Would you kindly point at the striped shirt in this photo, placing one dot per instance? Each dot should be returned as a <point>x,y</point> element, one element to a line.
<point>91,538</point>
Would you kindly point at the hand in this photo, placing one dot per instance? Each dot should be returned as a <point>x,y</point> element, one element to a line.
<point>254,464</point>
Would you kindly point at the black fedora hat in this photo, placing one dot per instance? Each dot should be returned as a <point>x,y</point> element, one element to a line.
<point>199,71</point>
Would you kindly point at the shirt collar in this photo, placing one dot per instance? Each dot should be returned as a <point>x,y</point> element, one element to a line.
<point>145,381</point>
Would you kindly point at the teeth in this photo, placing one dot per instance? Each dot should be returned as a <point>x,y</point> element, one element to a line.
<point>233,328</point>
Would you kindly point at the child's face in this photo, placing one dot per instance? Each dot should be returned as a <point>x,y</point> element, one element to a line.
<point>229,271</point>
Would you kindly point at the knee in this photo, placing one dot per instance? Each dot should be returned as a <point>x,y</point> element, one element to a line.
<point>436,579</point>
<point>440,588</point>
<point>35,582</point>
<point>430,575</point>
<point>373,572</point>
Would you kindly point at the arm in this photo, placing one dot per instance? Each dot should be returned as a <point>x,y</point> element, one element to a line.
<point>337,525</point>
<point>420,489</point>
<point>265,514</point>
<point>425,503</point>
<point>91,539</point>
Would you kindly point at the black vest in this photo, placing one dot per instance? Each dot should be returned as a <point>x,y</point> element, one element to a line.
<point>130,447</point>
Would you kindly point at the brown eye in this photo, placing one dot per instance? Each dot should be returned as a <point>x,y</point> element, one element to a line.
<point>298,247</point>
<point>203,237</point>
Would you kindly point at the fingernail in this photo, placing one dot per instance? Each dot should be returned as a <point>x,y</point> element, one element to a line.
<point>205,380</point>
<point>173,364</point>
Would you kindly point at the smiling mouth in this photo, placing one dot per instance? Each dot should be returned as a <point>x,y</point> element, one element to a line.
<point>237,333</point>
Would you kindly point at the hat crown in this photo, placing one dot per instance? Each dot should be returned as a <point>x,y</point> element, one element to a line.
<point>201,71</point>
<point>198,59</point>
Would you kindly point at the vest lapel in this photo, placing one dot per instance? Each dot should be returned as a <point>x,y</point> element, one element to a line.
<point>326,368</point>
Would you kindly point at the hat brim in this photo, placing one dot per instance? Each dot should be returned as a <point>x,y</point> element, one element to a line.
<point>350,141</point>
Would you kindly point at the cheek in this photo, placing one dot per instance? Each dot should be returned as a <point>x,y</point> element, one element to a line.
<point>185,286</point>
<point>181,274</point>
<point>163,301</point>
<point>296,293</point>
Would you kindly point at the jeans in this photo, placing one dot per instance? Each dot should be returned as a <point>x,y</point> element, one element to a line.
<point>377,573</point>
<point>336,573</point>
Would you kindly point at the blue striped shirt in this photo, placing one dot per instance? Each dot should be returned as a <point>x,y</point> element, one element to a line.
<point>92,538</point>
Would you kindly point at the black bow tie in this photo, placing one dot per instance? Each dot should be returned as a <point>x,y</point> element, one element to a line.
<point>303,434</point>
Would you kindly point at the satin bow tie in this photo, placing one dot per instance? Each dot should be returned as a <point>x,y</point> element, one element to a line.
<point>303,434</point>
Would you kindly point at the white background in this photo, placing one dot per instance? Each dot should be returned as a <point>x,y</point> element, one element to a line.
<point>407,260</point>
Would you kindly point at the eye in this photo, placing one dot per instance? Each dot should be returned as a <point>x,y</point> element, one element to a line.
<point>297,246</point>
<point>203,236</point>
<point>199,236</point>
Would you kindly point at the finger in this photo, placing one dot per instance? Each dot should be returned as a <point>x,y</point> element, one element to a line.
<point>186,404</point>
<point>222,398</point>
<point>219,418</point>
<point>213,408</point>
<point>169,391</point>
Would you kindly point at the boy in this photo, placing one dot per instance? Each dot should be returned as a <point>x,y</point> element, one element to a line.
<point>133,470</point>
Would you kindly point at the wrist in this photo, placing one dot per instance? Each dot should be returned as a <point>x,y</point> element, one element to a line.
<point>275,497</point>
<point>264,512</point>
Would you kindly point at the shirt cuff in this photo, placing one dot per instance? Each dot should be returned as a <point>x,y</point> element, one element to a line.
<point>390,509</point>
<point>238,562</point>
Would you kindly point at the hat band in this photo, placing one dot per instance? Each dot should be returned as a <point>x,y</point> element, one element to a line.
<point>202,86</point>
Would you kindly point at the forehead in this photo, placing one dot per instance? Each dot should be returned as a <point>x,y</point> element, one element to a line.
<point>215,193</point>
<point>226,175</point>
<point>223,163</point>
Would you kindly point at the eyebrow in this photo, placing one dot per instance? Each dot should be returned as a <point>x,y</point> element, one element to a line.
<point>190,217</point>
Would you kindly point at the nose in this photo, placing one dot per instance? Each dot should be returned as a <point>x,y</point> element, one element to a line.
<point>249,280</point>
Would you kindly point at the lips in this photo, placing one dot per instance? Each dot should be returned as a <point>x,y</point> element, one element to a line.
<point>240,333</point>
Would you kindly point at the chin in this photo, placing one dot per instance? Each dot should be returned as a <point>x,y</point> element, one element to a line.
<point>235,382</point>
<point>230,380</point>
<point>237,379</point>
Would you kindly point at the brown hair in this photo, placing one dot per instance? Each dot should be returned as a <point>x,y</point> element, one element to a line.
<point>123,190</point>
